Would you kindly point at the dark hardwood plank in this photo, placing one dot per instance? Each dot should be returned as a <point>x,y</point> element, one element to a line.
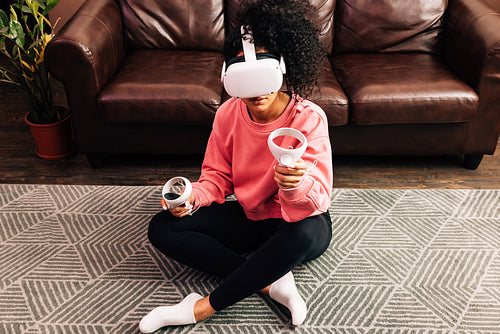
<point>416,172</point>
<point>19,164</point>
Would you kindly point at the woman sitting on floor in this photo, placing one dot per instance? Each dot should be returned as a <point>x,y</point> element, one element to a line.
<point>280,218</point>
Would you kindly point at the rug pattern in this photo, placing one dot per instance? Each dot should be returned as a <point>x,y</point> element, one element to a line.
<point>75,259</point>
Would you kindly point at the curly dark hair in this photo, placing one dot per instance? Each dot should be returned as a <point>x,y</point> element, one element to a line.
<point>282,27</point>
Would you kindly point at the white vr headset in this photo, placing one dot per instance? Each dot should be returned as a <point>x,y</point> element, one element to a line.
<point>253,74</point>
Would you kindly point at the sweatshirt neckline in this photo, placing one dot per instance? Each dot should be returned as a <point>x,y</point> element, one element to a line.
<point>273,125</point>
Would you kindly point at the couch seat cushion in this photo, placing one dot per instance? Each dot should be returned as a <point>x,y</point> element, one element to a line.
<point>163,86</point>
<point>403,88</point>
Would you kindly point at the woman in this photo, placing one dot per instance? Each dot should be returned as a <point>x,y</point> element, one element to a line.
<point>280,217</point>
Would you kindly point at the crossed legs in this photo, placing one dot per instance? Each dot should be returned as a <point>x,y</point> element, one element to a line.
<point>214,241</point>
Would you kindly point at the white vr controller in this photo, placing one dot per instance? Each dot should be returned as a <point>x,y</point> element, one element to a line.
<point>174,199</point>
<point>286,156</point>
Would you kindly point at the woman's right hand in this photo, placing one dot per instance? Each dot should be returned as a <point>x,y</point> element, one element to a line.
<point>181,210</point>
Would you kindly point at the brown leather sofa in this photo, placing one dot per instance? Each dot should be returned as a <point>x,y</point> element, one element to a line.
<point>415,77</point>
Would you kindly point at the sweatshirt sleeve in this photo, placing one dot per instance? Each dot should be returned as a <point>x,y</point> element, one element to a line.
<point>215,182</point>
<point>312,196</point>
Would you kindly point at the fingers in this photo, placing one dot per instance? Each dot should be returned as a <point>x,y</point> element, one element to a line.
<point>299,168</point>
<point>290,177</point>
<point>287,181</point>
<point>180,211</point>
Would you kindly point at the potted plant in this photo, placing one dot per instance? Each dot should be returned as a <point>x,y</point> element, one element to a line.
<point>24,35</point>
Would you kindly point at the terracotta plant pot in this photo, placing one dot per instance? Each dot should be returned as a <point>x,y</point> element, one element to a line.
<point>52,141</point>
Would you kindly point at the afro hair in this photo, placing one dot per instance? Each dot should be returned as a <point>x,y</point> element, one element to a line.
<point>282,27</point>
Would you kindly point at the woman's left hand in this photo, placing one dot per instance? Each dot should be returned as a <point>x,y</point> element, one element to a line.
<point>290,177</point>
<point>182,210</point>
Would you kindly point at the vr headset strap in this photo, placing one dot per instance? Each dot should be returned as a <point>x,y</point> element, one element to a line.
<point>248,46</point>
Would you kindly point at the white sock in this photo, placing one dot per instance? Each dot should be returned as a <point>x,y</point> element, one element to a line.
<point>285,292</point>
<point>175,315</point>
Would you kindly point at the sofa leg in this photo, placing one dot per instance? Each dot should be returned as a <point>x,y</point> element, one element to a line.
<point>95,161</point>
<point>472,161</point>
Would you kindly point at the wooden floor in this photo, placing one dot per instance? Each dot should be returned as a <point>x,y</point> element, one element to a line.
<point>19,164</point>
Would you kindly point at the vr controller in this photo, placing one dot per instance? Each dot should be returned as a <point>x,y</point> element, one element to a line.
<point>287,156</point>
<point>176,192</point>
<point>253,74</point>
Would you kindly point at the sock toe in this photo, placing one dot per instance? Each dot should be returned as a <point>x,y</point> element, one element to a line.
<point>285,292</point>
<point>299,311</point>
<point>175,315</point>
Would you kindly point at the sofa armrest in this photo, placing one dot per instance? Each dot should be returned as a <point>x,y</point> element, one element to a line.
<point>472,50</point>
<point>471,39</point>
<point>89,48</point>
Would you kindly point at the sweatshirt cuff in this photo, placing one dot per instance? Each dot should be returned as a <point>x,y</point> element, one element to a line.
<point>199,198</point>
<point>300,191</point>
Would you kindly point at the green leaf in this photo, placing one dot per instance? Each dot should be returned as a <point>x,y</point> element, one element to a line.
<point>20,42</point>
<point>13,14</point>
<point>34,8</point>
<point>15,52</point>
<point>17,32</point>
<point>25,20</point>
<point>41,3</point>
<point>4,19</point>
<point>16,29</point>
<point>35,29</point>
<point>35,43</point>
<point>2,42</point>
<point>48,7</point>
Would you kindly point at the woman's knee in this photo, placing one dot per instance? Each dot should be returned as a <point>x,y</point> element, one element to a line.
<point>303,236</point>
<point>312,235</point>
<point>157,230</point>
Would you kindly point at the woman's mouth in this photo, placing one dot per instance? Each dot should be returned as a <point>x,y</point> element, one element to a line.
<point>257,100</point>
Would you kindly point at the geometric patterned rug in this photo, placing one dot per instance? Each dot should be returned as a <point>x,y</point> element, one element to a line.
<point>75,259</point>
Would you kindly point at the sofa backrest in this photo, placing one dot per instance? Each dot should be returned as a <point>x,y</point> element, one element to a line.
<point>389,25</point>
<point>198,24</point>
<point>323,19</point>
<point>174,24</point>
<point>357,26</point>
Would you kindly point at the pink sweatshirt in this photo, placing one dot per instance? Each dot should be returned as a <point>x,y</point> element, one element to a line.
<point>237,159</point>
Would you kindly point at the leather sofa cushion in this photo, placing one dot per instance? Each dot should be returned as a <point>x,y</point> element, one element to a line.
<point>388,25</point>
<point>324,22</point>
<point>403,88</point>
<point>164,86</point>
<point>231,12</point>
<point>323,19</point>
<point>331,97</point>
<point>174,24</point>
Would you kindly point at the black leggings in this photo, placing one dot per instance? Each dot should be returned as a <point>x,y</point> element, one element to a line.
<point>215,238</point>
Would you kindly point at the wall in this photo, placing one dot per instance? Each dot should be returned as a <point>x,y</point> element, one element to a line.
<point>65,10</point>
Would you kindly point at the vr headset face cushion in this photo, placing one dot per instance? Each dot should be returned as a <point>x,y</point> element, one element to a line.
<point>245,79</point>
<point>259,56</point>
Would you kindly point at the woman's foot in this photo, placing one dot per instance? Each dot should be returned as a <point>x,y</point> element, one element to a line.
<point>175,315</point>
<point>285,292</point>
